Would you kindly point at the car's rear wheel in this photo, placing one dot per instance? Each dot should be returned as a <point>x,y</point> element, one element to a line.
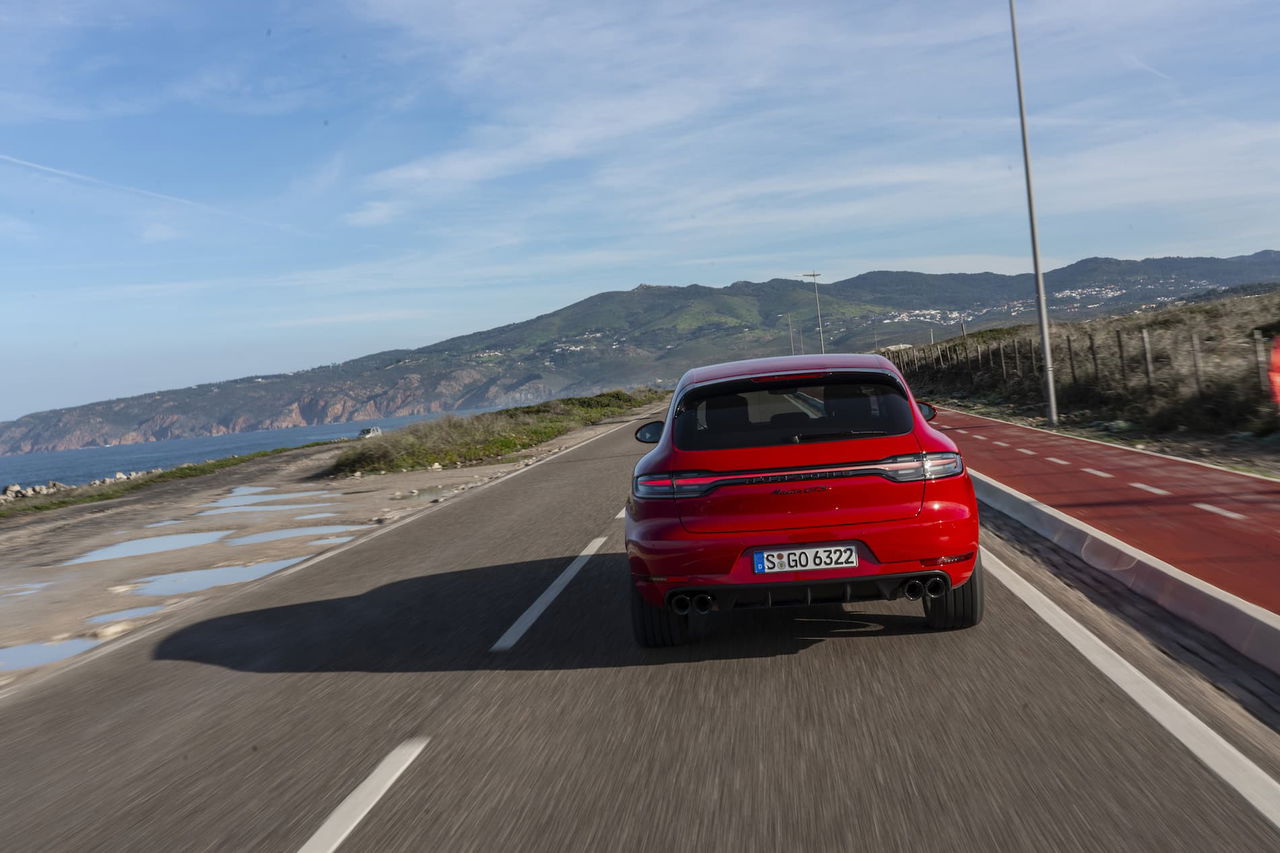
<point>656,626</point>
<point>959,607</point>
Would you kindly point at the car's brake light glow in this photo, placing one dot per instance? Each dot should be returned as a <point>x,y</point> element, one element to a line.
<point>943,561</point>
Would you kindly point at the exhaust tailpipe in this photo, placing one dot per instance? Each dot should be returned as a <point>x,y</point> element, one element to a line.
<point>913,590</point>
<point>935,587</point>
<point>702,603</point>
<point>680,605</point>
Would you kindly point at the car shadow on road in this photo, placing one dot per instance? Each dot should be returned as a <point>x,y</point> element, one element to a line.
<point>449,621</point>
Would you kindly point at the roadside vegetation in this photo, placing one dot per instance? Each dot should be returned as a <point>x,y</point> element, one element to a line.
<point>451,440</point>
<point>108,491</point>
<point>1198,367</point>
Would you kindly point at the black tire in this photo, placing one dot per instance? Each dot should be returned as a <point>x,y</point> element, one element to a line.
<point>656,627</point>
<point>961,607</point>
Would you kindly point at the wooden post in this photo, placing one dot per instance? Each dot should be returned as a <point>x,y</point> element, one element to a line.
<point>964,338</point>
<point>1260,355</point>
<point>1017,358</point>
<point>1093,353</point>
<point>1004,371</point>
<point>1035,366</point>
<point>1195,362</point>
<point>1071,360</point>
<point>1146,351</point>
<point>1124,370</point>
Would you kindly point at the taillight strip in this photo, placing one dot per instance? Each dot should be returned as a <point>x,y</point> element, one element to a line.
<point>772,476</point>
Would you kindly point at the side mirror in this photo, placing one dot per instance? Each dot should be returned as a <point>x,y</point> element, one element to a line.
<point>928,411</point>
<point>650,433</point>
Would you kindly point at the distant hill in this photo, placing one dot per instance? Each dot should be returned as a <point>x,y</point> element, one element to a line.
<point>647,335</point>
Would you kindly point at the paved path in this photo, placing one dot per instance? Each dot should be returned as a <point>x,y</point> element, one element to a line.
<point>1221,526</point>
<point>358,705</point>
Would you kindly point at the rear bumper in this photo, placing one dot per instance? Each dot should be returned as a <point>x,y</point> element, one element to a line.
<point>665,557</point>
<point>727,596</point>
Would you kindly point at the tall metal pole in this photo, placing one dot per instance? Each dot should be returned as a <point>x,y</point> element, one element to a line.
<point>790,334</point>
<point>821,340</point>
<point>1051,400</point>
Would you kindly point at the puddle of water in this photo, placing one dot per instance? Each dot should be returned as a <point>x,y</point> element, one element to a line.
<point>38,654</point>
<point>336,540</point>
<point>124,614</point>
<point>246,500</point>
<point>163,523</point>
<point>229,509</point>
<point>289,533</point>
<point>315,515</point>
<point>152,545</point>
<point>176,583</point>
<point>249,490</point>
<point>22,589</point>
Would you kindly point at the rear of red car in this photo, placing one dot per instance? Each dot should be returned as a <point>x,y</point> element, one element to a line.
<point>800,480</point>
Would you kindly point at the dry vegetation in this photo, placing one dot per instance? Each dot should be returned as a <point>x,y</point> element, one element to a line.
<point>457,440</point>
<point>1095,384</point>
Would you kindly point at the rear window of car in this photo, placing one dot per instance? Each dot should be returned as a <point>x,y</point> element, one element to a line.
<point>762,414</point>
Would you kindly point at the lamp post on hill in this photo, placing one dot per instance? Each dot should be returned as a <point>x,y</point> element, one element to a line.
<point>822,343</point>
<point>790,334</point>
<point>1051,400</point>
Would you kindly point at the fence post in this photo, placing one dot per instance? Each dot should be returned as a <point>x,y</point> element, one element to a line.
<point>1195,362</point>
<point>1071,359</point>
<point>1017,358</point>
<point>1093,353</point>
<point>1004,371</point>
<point>1124,370</point>
<point>1260,355</point>
<point>1035,366</point>
<point>1146,351</point>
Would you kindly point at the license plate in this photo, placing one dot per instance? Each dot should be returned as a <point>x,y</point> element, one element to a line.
<point>800,559</point>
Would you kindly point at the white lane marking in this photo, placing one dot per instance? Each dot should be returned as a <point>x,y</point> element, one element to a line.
<point>963,431</point>
<point>526,620</point>
<point>980,437</point>
<point>621,513</point>
<point>361,801</point>
<point>1262,792</point>
<point>1225,513</point>
<point>1152,489</point>
<point>1001,444</point>
<point>1095,472</point>
<point>1028,452</point>
<point>1055,460</point>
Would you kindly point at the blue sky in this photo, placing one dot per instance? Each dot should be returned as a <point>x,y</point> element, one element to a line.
<point>198,191</point>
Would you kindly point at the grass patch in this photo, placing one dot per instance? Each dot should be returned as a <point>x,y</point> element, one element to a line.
<point>452,440</point>
<point>109,491</point>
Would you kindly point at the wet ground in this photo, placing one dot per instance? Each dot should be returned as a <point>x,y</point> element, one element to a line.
<point>71,579</point>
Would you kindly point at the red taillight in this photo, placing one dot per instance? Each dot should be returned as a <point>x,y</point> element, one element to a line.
<point>653,486</point>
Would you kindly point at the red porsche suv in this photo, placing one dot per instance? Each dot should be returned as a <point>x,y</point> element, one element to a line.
<point>799,480</point>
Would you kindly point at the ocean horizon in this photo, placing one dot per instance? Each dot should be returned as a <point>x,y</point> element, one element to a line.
<point>77,467</point>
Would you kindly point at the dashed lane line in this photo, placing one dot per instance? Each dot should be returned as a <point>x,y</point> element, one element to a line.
<point>1223,759</point>
<point>1225,513</point>
<point>980,437</point>
<point>526,620</point>
<point>621,513</point>
<point>360,802</point>
<point>1056,461</point>
<point>1152,489</point>
<point>1028,452</point>
<point>1095,472</point>
<point>1001,443</point>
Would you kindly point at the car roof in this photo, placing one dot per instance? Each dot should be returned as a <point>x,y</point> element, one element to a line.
<point>785,364</point>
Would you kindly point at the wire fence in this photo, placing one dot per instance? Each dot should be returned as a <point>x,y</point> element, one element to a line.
<point>1164,377</point>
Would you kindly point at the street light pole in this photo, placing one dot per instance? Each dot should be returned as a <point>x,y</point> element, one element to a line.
<point>822,342</point>
<point>1051,400</point>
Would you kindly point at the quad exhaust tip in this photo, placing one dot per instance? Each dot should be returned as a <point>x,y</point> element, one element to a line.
<point>680,605</point>
<point>935,587</point>
<point>913,590</point>
<point>702,603</point>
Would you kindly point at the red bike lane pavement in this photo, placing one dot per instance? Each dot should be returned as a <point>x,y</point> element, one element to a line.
<point>1221,526</point>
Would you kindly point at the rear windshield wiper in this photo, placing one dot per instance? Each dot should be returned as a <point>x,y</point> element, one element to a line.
<point>833,436</point>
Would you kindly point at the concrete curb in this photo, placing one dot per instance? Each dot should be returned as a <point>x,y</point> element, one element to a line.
<point>1249,629</point>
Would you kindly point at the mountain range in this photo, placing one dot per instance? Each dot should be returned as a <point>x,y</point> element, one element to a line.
<point>648,335</point>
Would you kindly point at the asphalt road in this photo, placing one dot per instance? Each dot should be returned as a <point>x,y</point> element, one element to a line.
<point>246,725</point>
<point>1221,526</point>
